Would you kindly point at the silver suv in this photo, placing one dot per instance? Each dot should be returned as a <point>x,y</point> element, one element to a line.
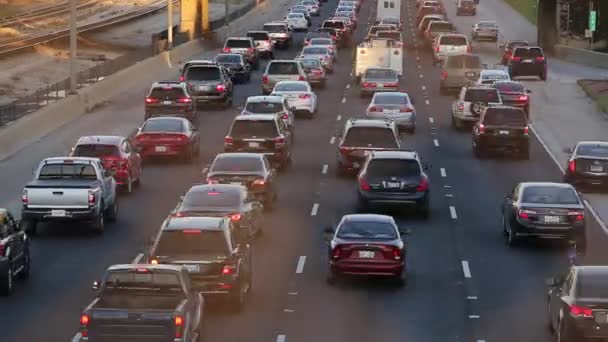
<point>459,71</point>
<point>471,103</point>
<point>282,70</point>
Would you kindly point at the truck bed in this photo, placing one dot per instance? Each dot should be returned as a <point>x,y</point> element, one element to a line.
<point>61,183</point>
<point>138,302</point>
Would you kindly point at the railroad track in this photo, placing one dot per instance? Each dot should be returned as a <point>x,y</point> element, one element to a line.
<point>42,13</point>
<point>31,41</point>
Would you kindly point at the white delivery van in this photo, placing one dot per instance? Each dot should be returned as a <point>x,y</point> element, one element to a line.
<point>388,8</point>
<point>379,52</point>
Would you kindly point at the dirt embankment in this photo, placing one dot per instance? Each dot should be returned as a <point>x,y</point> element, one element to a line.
<point>597,90</point>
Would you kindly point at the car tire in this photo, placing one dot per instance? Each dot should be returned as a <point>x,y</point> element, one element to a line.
<point>27,263</point>
<point>478,151</point>
<point>112,212</point>
<point>456,123</point>
<point>401,280</point>
<point>29,227</point>
<point>424,209</point>
<point>511,236</point>
<point>6,282</point>
<point>99,224</point>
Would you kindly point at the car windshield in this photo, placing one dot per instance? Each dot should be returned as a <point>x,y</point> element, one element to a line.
<point>528,52</point>
<point>485,24</point>
<point>592,285</point>
<point>321,41</point>
<point>592,150</point>
<point>168,93</point>
<point>549,195</point>
<point>228,58</point>
<point>513,87</point>
<point>254,128</point>
<point>140,280</point>
<point>283,68</point>
<point>353,230</point>
<point>512,45</point>
<point>264,107</point>
<point>203,74</point>
<point>238,43</point>
<point>275,28</point>
<point>96,151</point>
<point>210,199</point>
<point>481,95</point>
<point>291,87</point>
<point>390,99</point>
<point>453,40</point>
<point>192,242</point>
<point>393,168</point>
<point>314,51</point>
<point>258,35</point>
<point>237,164</point>
<point>370,137</point>
<point>380,74</point>
<point>495,76</point>
<point>67,171</point>
<point>163,125</point>
<point>441,27</point>
<point>505,116</point>
<point>295,16</point>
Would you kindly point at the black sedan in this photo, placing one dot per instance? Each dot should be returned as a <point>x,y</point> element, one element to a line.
<point>514,94</point>
<point>578,304</point>
<point>237,67</point>
<point>14,252</point>
<point>252,170</point>
<point>544,210</point>
<point>588,165</point>
<point>223,200</point>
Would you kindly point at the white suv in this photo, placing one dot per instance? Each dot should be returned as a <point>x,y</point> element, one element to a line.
<point>471,102</point>
<point>450,44</point>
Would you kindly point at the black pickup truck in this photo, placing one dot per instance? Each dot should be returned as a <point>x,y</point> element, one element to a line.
<point>144,303</point>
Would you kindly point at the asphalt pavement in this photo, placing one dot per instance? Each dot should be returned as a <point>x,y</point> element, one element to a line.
<point>465,283</point>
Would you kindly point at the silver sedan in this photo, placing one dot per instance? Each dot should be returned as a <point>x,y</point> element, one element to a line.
<point>485,30</point>
<point>324,53</point>
<point>299,95</point>
<point>326,42</point>
<point>395,106</point>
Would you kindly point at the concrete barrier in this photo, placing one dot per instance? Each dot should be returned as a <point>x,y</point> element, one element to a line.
<point>582,56</point>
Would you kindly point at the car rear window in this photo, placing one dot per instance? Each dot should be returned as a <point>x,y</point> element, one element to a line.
<point>441,27</point>
<point>283,68</point>
<point>310,63</point>
<point>370,137</point>
<point>515,44</point>
<point>291,87</point>
<point>264,107</point>
<point>592,150</point>
<point>163,125</point>
<point>509,87</point>
<point>254,128</point>
<point>137,281</point>
<point>238,43</point>
<point>389,99</point>
<point>549,195</point>
<point>592,285</point>
<point>467,4</point>
<point>67,171</point>
<point>452,40</point>
<point>395,35</point>
<point>275,28</point>
<point>481,95</point>
<point>96,151</point>
<point>505,116</point>
<point>393,168</point>
<point>228,58</point>
<point>313,50</point>
<point>295,16</point>
<point>528,52</point>
<point>234,164</point>
<point>210,199</point>
<point>334,24</point>
<point>258,35</point>
<point>321,41</point>
<point>352,230</point>
<point>194,242</point>
<point>380,73</point>
<point>203,74</point>
<point>167,93</point>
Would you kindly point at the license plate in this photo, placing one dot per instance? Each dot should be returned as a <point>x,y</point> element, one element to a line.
<point>528,61</point>
<point>167,102</point>
<point>551,219</point>
<point>470,74</point>
<point>366,254</point>
<point>160,149</point>
<point>235,183</point>
<point>601,317</point>
<point>391,111</point>
<point>393,185</point>
<point>380,85</point>
<point>596,168</point>
<point>58,213</point>
<point>254,144</point>
<point>192,268</point>
<point>503,132</point>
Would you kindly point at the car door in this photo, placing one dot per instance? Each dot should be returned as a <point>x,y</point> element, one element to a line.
<point>19,241</point>
<point>107,185</point>
<point>556,297</point>
<point>509,204</point>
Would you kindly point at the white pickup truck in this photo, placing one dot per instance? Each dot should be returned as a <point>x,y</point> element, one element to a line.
<point>379,52</point>
<point>69,189</point>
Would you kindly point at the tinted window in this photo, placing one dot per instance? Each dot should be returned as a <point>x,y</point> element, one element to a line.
<point>275,28</point>
<point>67,171</point>
<point>509,87</point>
<point>531,52</point>
<point>467,4</point>
<point>178,243</point>
<point>264,107</point>
<point>387,99</point>
<point>367,230</point>
<point>393,168</point>
<point>96,151</point>
<point>380,73</point>
<point>251,128</point>
<point>389,34</point>
<point>592,150</point>
<point>441,27</point>
<point>138,281</point>
<point>334,24</point>
<point>494,76</point>
<point>291,87</point>
<point>505,116</point>
<point>246,164</point>
<point>481,95</point>
<point>167,93</point>
<point>238,43</point>
<point>228,58</point>
<point>310,63</point>
<point>370,137</point>
<point>295,16</point>
<point>453,40</point>
<point>163,125</point>
<point>549,195</point>
<point>592,285</point>
<point>472,62</point>
<point>314,51</point>
<point>321,41</point>
<point>283,68</point>
<point>514,44</point>
<point>211,199</point>
<point>258,35</point>
<point>203,74</point>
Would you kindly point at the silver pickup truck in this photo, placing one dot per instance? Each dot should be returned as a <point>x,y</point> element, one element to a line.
<point>69,189</point>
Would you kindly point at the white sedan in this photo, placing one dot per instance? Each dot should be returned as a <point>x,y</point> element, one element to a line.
<point>297,21</point>
<point>299,94</point>
<point>489,76</point>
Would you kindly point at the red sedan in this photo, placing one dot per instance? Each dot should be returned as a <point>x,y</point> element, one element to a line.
<point>168,137</point>
<point>115,153</point>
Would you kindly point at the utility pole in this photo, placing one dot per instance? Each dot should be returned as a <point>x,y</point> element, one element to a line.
<point>170,24</point>
<point>227,11</point>
<point>73,41</point>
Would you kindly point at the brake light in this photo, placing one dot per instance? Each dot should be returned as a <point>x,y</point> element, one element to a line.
<point>152,100</point>
<point>390,85</point>
<point>437,48</point>
<point>423,185</point>
<point>182,78</point>
<point>526,130</point>
<point>577,215</point>
<point>482,128</point>
<point>92,198</point>
<point>184,100</point>
<point>154,262</point>
<point>221,88</point>
<point>368,84</point>
<point>228,269</point>
<point>259,182</point>
<point>525,214</point>
<point>84,325</point>
<point>444,75</point>
<point>396,253</point>
<point>265,78</point>
<point>226,49</point>
<point>250,50</point>
<point>336,253</point>
<point>363,184</point>
<point>460,106</point>
<point>304,96</point>
<point>577,310</point>
<point>572,165</point>
<point>235,217</point>
<point>522,98</point>
<point>406,110</point>
<point>374,109</point>
<point>179,326</point>
<point>540,59</point>
<point>228,140</point>
<point>515,59</point>
<point>302,78</point>
<point>24,197</point>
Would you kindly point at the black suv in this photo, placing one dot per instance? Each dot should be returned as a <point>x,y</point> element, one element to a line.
<point>260,133</point>
<point>501,128</point>
<point>14,252</point>
<point>236,65</point>
<point>209,83</point>
<point>213,252</point>
<point>394,177</point>
<point>528,61</point>
<point>244,46</point>
<point>169,98</point>
<point>360,138</point>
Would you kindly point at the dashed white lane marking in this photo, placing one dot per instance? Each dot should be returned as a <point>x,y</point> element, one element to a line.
<point>76,338</point>
<point>292,293</point>
<point>466,269</point>
<point>289,310</point>
<point>449,195</point>
<point>344,100</point>
<point>431,120</point>
<point>324,168</point>
<point>442,171</point>
<point>137,258</point>
<point>300,266</point>
<point>472,297</point>
<point>474,316</point>
<point>427,102</point>
<point>421,76</point>
<point>481,340</point>
<point>447,186</point>
<point>315,209</point>
<point>453,212</point>
<point>339,117</point>
<point>423,87</point>
<point>436,142</point>
<point>348,86</point>
<point>351,74</point>
<point>332,140</point>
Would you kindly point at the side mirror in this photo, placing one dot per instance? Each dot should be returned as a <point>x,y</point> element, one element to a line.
<point>567,150</point>
<point>502,46</point>
<point>96,285</point>
<point>292,109</point>
<point>426,166</point>
<point>328,233</point>
<point>553,281</point>
<point>528,91</point>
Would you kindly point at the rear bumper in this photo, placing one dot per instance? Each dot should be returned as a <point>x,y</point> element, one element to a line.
<point>550,232</point>
<point>210,98</point>
<point>582,179</point>
<point>173,150</point>
<point>44,214</point>
<point>164,110</point>
<point>377,90</point>
<point>588,328</point>
<point>416,198</point>
<point>529,69</point>
<point>392,269</point>
<point>518,143</point>
<point>273,156</point>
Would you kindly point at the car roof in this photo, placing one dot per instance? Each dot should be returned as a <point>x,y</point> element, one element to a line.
<point>173,84</point>
<point>265,98</point>
<point>100,139</point>
<point>394,155</point>
<point>174,118</point>
<point>257,31</point>
<point>194,222</point>
<point>592,143</point>
<point>481,87</point>
<point>451,34</point>
<point>127,267</point>
<point>238,38</point>
<point>488,22</point>
<point>236,155</point>
<point>367,218</point>
<point>493,71</point>
<point>551,184</point>
<point>380,68</point>
<point>255,117</point>
<point>370,123</point>
<point>218,187</point>
<point>292,82</point>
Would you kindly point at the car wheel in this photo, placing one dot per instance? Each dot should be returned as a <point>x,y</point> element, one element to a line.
<point>401,279</point>
<point>331,278</point>
<point>29,227</point>
<point>129,186</point>
<point>27,262</point>
<point>478,151</point>
<point>511,237</point>
<point>6,282</point>
<point>424,210</point>
<point>99,224</point>
<point>113,211</point>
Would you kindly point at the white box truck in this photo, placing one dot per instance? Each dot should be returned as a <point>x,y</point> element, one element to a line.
<point>378,53</point>
<point>388,8</point>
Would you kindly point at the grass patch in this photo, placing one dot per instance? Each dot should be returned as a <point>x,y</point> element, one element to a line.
<point>527,8</point>
<point>602,102</point>
<point>597,90</point>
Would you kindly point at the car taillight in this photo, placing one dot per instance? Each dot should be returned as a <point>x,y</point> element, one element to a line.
<point>179,326</point>
<point>84,325</point>
<point>279,140</point>
<point>396,253</point>
<point>522,98</point>
<point>526,130</point>
<point>184,100</point>
<point>265,78</point>
<point>577,215</point>
<point>525,214</point>
<point>390,85</point>
<point>24,197</point>
<point>226,49</point>
<point>154,262</point>
<point>336,253</point>
<point>236,217</point>
<point>304,96</point>
<point>182,78</point>
<point>152,100</point>
<point>375,109</point>
<point>406,110</point>
<point>437,48</point>
<point>423,185</point>
<point>540,59</point>
<point>368,84</point>
<point>250,50</point>
<point>92,198</point>
<point>259,182</point>
<point>444,75</point>
<point>482,128</point>
<point>516,59</point>
<point>228,140</point>
<point>284,116</point>
<point>228,269</point>
<point>302,78</point>
<point>460,106</point>
<point>363,184</point>
<point>469,49</point>
<point>577,310</point>
<point>572,165</point>
<point>220,87</point>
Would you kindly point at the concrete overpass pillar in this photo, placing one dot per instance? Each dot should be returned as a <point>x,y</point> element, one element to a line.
<point>194,17</point>
<point>547,26</point>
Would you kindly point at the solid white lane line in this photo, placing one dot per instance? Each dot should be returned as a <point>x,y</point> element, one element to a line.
<point>332,140</point>
<point>315,209</point>
<point>292,293</point>
<point>423,87</point>
<point>76,338</point>
<point>288,310</point>
<point>339,117</point>
<point>481,340</point>
<point>324,168</point>
<point>427,102</point>
<point>431,120</point>
<point>447,186</point>
<point>449,195</point>
<point>559,165</point>
<point>442,171</point>
<point>436,142</point>
<point>453,212</point>
<point>301,262</point>
<point>137,258</point>
<point>466,269</point>
<point>344,100</point>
